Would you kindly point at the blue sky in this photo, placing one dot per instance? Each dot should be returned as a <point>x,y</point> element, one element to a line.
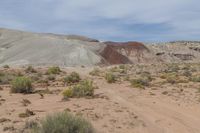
<point>116,20</point>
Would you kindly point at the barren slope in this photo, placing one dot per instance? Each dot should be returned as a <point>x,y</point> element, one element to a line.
<point>21,48</point>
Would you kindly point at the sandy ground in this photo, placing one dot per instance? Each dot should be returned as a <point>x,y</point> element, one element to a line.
<point>117,108</point>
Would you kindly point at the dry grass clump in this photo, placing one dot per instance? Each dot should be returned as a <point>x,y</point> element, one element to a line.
<point>195,79</point>
<point>53,70</point>
<point>187,73</point>
<point>72,78</point>
<point>25,102</point>
<point>6,66</point>
<point>95,72</point>
<point>62,123</point>
<point>172,68</point>
<point>22,85</point>
<point>51,77</point>
<point>30,69</point>
<point>6,77</point>
<point>139,83</point>
<point>110,77</point>
<point>83,89</point>
<point>27,113</point>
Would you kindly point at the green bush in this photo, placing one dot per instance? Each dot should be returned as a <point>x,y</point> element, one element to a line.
<point>72,78</point>
<point>53,70</point>
<point>139,83</point>
<point>110,78</point>
<point>21,85</point>
<point>63,123</point>
<point>83,89</point>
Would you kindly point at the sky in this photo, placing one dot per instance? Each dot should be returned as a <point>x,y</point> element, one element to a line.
<point>114,20</point>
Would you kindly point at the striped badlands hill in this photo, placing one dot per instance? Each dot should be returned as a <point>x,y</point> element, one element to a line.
<point>20,48</point>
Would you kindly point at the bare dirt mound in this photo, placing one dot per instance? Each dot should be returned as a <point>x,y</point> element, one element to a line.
<point>113,57</point>
<point>136,52</point>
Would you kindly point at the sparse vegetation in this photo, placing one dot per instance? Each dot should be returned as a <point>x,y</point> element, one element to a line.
<point>51,77</point>
<point>72,78</point>
<point>110,78</point>
<point>53,70</point>
<point>173,68</point>
<point>30,69</point>
<point>6,66</point>
<point>22,85</point>
<point>198,90</point>
<point>63,123</point>
<point>195,79</point>
<point>27,113</point>
<point>6,78</point>
<point>84,89</point>
<point>95,72</point>
<point>139,83</point>
<point>187,73</point>
<point>25,102</point>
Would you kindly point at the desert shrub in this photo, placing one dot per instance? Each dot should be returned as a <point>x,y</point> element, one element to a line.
<point>30,69</point>
<point>51,77</point>
<point>31,125</point>
<point>25,102</point>
<point>166,75</point>
<point>6,66</point>
<point>34,78</point>
<point>53,70</point>
<point>146,76</point>
<point>139,83</point>
<point>68,93</point>
<point>122,66</point>
<point>64,123</point>
<point>195,79</point>
<point>82,89</point>
<point>198,90</point>
<point>7,77</point>
<point>72,78</point>
<point>110,78</point>
<point>27,113</point>
<point>95,72</point>
<point>21,85</point>
<point>171,80</point>
<point>172,68</point>
<point>187,73</point>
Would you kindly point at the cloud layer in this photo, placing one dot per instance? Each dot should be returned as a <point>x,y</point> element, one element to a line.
<point>118,20</point>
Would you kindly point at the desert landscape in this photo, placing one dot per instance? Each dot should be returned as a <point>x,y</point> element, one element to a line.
<point>115,87</point>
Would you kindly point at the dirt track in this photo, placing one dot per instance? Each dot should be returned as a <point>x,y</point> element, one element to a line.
<point>118,108</point>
